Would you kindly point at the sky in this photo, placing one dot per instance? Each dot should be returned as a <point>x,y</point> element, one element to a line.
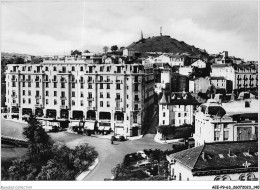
<point>57,27</point>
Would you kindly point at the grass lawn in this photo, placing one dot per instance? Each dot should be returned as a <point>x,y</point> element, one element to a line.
<point>12,153</point>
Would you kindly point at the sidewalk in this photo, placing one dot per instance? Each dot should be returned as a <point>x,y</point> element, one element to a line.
<point>16,120</point>
<point>109,136</point>
<point>158,140</point>
<point>85,174</point>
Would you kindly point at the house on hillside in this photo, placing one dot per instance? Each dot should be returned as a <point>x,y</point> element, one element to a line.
<point>199,63</point>
<point>218,161</point>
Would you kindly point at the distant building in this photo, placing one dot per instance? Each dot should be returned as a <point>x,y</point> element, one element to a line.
<point>219,82</point>
<point>243,76</point>
<point>231,121</point>
<point>199,63</point>
<point>199,85</point>
<point>218,161</point>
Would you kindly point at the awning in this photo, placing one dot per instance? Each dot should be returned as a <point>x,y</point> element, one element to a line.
<point>74,124</point>
<point>101,128</point>
<point>106,128</point>
<point>89,125</point>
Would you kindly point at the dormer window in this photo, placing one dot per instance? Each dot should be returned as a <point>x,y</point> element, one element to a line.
<point>221,156</point>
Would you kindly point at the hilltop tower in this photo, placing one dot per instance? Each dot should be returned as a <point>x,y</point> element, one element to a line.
<point>142,37</point>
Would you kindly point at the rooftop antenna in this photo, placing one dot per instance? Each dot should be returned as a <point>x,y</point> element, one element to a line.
<point>82,29</point>
<point>142,37</point>
<point>161,31</point>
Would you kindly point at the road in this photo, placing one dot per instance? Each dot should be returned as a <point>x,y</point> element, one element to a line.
<point>109,155</point>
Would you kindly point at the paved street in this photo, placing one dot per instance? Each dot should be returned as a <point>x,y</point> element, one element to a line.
<point>109,155</point>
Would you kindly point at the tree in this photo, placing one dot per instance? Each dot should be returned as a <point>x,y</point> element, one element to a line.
<point>83,156</point>
<point>121,48</point>
<point>18,170</point>
<point>40,142</point>
<point>114,48</point>
<point>52,171</point>
<point>18,60</point>
<point>75,52</point>
<point>86,51</point>
<point>105,49</point>
<point>37,60</point>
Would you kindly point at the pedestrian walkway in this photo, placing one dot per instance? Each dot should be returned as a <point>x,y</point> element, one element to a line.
<point>162,141</point>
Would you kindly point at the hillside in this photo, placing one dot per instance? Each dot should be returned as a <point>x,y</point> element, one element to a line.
<point>164,44</point>
<point>10,55</point>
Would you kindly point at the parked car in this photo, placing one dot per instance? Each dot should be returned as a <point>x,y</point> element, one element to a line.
<point>121,138</point>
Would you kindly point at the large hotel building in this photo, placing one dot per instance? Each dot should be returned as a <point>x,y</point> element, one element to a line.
<point>114,93</point>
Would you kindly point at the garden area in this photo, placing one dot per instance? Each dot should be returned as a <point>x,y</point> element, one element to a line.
<point>46,160</point>
<point>146,165</point>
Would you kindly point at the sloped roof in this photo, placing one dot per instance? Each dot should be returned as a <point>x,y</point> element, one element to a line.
<point>193,159</point>
<point>163,99</point>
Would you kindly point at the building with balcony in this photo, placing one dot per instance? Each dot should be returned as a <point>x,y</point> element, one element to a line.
<point>217,161</point>
<point>114,92</point>
<point>231,121</point>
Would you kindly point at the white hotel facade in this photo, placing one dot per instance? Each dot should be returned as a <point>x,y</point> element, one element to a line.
<point>115,93</point>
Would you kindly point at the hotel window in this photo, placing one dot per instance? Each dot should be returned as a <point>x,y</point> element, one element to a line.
<point>81,85</point>
<point>89,95</point>
<point>55,85</point>
<point>185,114</point>
<point>23,84</point>
<point>81,103</point>
<point>101,103</point>
<point>81,68</point>
<point>89,86</point>
<point>29,100</point>
<point>73,102</point>
<point>54,68</point>
<point>62,94</point>
<point>29,93</point>
<point>46,68</point>
<point>47,101</point>
<point>90,103</point>
<point>226,135</point>
<point>29,68</point>
<point>63,85</point>
<point>101,94</point>
<point>37,84</point>
<point>117,86</point>
<point>216,132</point>
<point>73,85</point>
<point>108,95</point>
<point>101,86</point>
<point>127,96</point>
<point>73,68</point>
<point>29,84</point>
<point>47,93</point>
<point>163,122</point>
<point>108,69</point>
<point>64,69</point>
<point>24,92</point>
<point>23,101</point>
<point>73,93</point>
<point>163,114</point>
<point>135,118</point>
<point>13,85</point>
<point>108,86</point>
<point>108,104</point>
<point>55,102</point>
<point>55,93</point>
<point>101,68</point>
<point>47,85</point>
<point>179,114</point>
<point>81,94</point>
